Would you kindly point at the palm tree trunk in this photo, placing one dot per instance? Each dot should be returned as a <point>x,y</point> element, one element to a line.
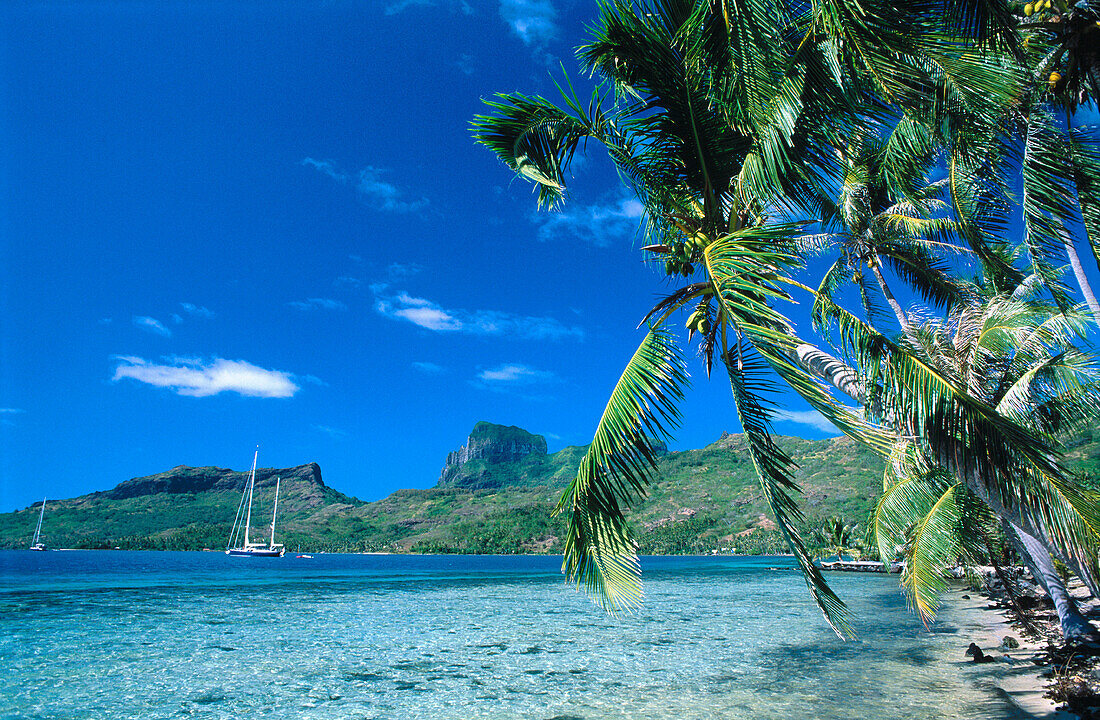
<point>903,320</point>
<point>1079,273</point>
<point>830,369</point>
<point>1039,550</point>
<point>1075,626</point>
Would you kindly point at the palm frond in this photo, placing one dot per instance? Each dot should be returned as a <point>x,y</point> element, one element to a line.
<point>599,554</point>
<point>774,468</point>
<point>934,546</point>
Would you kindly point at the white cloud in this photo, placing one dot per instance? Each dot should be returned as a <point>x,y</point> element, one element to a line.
<point>176,318</point>
<point>429,368</point>
<point>811,418</point>
<point>330,431</point>
<point>347,281</point>
<point>532,20</point>
<point>152,325</point>
<point>370,186</point>
<point>6,415</point>
<point>11,411</point>
<point>317,304</point>
<point>431,316</point>
<point>197,311</point>
<point>328,167</point>
<point>598,224</point>
<point>383,195</point>
<point>196,378</point>
<point>514,378</point>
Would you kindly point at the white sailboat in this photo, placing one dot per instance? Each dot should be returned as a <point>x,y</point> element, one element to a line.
<point>239,535</point>
<point>36,542</point>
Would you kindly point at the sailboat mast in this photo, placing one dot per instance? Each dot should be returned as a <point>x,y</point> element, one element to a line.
<point>271,543</point>
<point>251,487</point>
<point>38,530</point>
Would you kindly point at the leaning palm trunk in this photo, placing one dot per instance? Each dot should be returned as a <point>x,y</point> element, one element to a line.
<point>1079,273</point>
<point>903,321</point>
<point>1038,560</point>
<point>1034,545</point>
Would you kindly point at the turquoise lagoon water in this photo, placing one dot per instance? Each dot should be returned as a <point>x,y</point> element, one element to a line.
<point>201,635</point>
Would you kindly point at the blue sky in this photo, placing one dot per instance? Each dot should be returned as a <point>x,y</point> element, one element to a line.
<point>231,224</point>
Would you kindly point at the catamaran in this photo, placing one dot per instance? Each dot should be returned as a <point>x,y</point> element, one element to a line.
<point>36,543</point>
<point>239,535</point>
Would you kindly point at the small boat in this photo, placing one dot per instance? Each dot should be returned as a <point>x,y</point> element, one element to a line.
<point>239,535</point>
<point>36,543</point>
<point>308,557</point>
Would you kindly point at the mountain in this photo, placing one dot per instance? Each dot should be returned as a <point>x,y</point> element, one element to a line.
<point>496,493</point>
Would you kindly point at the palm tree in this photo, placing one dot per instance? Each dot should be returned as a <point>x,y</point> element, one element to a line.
<point>838,539</point>
<point>869,223</point>
<point>707,120</point>
<point>719,119</point>
<point>1015,355</point>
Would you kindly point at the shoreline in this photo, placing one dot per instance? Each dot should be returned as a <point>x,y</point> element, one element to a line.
<point>1015,672</point>
<point>1042,667</point>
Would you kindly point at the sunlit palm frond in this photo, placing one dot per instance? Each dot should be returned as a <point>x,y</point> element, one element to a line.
<point>934,546</point>
<point>774,468</point>
<point>599,555</point>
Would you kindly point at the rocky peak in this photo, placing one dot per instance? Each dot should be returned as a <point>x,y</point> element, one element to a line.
<point>495,444</point>
<point>184,479</point>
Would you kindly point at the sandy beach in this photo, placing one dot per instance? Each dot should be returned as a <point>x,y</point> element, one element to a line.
<point>1024,675</point>
<point>981,621</point>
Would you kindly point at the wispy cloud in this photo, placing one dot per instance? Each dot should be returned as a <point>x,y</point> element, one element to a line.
<point>810,418</point>
<point>429,368</point>
<point>400,6</point>
<point>317,304</point>
<point>431,316</point>
<point>514,378</point>
<point>197,311</point>
<point>466,64</point>
<point>6,415</point>
<point>328,167</point>
<point>514,373</point>
<point>600,225</point>
<point>330,431</point>
<point>370,186</point>
<point>534,21</point>
<point>197,378</point>
<point>152,325</point>
<point>384,195</point>
<point>397,271</point>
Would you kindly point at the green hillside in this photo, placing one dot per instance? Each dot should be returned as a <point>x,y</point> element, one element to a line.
<point>497,502</point>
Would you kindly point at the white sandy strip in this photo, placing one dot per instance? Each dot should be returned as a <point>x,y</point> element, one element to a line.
<point>1013,672</point>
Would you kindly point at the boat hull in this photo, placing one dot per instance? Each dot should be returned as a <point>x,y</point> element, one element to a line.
<point>255,552</point>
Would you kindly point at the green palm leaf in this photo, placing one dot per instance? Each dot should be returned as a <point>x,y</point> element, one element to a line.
<point>934,546</point>
<point>774,468</point>
<point>599,554</point>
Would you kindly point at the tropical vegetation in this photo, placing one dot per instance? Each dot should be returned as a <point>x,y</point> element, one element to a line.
<point>704,500</point>
<point>936,145</point>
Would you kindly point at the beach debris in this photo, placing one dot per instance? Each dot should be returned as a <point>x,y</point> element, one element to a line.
<point>1010,642</point>
<point>978,655</point>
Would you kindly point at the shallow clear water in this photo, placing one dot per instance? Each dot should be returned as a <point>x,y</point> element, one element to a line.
<point>201,635</point>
